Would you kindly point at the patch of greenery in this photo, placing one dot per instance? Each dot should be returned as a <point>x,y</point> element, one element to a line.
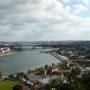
<point>85,81</point>
<point>8,84</point>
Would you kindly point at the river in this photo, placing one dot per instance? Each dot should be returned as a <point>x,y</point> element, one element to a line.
<point>27,59</point>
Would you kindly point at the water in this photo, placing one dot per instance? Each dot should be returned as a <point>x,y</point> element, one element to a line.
<point>24,60</point>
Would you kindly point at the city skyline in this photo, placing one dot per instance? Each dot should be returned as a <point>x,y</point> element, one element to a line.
<point>49,20</point>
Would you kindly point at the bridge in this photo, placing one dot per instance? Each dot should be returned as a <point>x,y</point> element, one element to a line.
<point>27,45</point>
<point>20,45</point>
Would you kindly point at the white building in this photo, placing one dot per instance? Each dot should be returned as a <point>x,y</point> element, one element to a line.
<point>5,50</point>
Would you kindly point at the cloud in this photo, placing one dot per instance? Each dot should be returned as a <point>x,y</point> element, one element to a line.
<point>86,2</point>
<point>66,1</point>
<point>41,20</point>
<point>79,8</point>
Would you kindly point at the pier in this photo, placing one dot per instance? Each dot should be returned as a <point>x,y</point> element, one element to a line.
<point>60,57</point>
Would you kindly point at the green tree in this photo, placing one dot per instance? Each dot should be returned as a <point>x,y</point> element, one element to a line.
<point>76,71</point>
<point>1,73</point>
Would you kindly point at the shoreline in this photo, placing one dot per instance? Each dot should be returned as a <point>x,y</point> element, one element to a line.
<point>59,57</point>
<point>5,54</point>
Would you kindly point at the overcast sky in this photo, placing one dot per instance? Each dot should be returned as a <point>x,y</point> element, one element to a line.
<point>33,20</point>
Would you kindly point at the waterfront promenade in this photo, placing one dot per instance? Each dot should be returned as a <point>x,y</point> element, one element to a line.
<point>60,57</point>
<point>4,54</point>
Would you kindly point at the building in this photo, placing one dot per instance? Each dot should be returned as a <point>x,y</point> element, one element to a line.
<point>5,50</point>
<point>82,62</point>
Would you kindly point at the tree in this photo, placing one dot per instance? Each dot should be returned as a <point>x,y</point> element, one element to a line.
<point>46,66</point>
<point>1,73</point>
<point>63,64</point>
<point>76,71</point>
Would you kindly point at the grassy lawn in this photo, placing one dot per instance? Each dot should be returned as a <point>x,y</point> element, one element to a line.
<point>7,85</point>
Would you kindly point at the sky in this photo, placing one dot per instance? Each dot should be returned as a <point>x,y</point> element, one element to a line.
<point>39,20</point>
